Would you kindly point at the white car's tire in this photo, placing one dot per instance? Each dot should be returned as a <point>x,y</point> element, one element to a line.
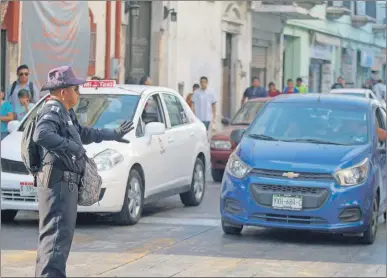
<point>195,195</point>
<point>8,215</point>
<point>133,205</point>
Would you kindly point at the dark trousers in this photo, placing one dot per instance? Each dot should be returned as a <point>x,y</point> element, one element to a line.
<point>58,198</point>
<point>206,124</point>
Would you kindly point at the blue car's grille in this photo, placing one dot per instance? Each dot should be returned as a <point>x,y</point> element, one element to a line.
<point>301,175</point>
<point>313,197</point>
<point>289,219</point>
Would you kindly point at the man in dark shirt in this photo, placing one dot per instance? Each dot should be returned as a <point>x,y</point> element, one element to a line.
<point>255,91</point>
<point>340,84</point>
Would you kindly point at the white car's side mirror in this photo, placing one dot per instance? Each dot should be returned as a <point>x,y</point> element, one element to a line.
<point>154,128</point>
<point>12,126</point>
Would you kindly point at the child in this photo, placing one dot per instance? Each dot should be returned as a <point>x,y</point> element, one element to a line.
<point>6,115</point>
<point>25,106</point>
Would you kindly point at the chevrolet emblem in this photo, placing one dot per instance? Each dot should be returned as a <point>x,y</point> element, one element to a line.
<point>290,175</point>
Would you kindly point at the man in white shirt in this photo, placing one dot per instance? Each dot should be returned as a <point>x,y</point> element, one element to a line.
<point>380,89</point>
<point>204,103</point>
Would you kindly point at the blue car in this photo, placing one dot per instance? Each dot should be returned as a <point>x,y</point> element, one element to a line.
<point>308,162</point>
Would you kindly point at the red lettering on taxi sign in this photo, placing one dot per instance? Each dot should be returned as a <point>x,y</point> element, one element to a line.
<point>26,184</point>
<point>99,84</point>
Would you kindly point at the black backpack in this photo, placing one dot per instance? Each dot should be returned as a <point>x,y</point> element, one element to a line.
<point>30,151</point>
<point>31,85</point>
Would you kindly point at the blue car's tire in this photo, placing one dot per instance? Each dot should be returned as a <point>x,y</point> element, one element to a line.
<point>369,235</point>
<point>231,229</point>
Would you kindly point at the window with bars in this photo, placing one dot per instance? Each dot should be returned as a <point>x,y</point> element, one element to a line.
<point>93,45</point>
<point>370,9</point>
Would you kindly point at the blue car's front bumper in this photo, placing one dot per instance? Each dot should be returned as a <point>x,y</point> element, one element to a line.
<point>239,205</point>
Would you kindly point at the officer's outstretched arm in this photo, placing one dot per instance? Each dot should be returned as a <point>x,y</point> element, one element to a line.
<point>92,135</point>
<point>47,136</point>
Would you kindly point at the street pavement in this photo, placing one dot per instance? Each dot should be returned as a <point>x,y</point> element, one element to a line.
<point>172,240</point>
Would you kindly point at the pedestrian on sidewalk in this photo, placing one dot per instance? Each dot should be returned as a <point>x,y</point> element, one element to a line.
<point>204,103</point>
<point>340,84</point>
<point>189,97</point>
<point>273,92</point>
<point>24,105</point>
<point>254,91</point>
<point>380,90</point>
<point>300,86</point>
<point>60,138</point>
<point>146,80</point>
<point>6,115</point>
<point>290,89</point>
<point>22,82</point>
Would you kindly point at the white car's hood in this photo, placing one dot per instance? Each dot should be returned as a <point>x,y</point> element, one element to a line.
<point>10,146</point>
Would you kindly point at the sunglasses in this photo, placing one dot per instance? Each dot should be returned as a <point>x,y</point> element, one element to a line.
<point>23,73</point>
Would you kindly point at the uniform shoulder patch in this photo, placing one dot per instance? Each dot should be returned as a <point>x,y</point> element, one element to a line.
<point>55,108</point>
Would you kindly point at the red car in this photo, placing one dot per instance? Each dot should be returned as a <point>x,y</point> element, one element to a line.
<point>222,145</point>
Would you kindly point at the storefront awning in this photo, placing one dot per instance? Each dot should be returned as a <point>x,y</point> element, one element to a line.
<point>325,39</point>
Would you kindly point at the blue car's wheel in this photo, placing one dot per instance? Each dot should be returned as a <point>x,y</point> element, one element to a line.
<point>369,235</point>
<point>231,229</point>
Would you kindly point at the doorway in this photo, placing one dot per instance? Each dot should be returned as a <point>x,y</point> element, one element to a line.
<point>227,72</point>
<point>3,59</point>
<point>138,42</point>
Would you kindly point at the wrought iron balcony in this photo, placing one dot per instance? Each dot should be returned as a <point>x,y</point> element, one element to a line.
<point>337,9</point>
<point>286,9</point>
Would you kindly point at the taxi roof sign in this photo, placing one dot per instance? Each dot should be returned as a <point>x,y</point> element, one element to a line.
<point>99,84</point>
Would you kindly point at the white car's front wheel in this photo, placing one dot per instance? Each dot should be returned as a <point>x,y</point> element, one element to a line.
<point>195,195</point>
<point>134,200</point>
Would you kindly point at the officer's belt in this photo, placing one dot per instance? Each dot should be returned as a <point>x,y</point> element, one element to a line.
<point>71,176</point>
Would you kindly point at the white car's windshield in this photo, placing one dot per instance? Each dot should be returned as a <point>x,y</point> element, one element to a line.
<point>100,111</point>
<point>295,122</point>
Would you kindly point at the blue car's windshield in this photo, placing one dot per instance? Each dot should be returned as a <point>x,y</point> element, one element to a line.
<point>105,111</point>
<point>298,122</point>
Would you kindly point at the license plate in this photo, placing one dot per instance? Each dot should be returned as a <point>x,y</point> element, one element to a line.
<point>287,202</point>
<point>27,189</point>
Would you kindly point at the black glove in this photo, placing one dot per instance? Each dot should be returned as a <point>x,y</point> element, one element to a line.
<point>123,129</point>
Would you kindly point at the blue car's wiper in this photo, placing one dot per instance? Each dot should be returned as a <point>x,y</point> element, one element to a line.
<point>263,137</point>
<point>310,140</point>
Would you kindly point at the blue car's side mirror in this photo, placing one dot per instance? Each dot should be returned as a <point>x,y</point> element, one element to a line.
<point>236,135</point>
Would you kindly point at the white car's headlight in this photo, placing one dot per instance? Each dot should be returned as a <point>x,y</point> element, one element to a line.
<point>236,167</point>
<point>353,175</point>
<point>221,145</point>
<point>107,159</point>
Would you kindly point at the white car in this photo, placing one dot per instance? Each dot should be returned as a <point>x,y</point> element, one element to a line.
<point>168,154</point>
<point>358,92</point>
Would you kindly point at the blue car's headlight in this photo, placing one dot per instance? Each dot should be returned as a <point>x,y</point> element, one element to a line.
<point>236,167</point>
<point>353,175</point>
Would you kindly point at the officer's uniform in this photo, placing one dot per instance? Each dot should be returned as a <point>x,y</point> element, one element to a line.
<point>60,137</point>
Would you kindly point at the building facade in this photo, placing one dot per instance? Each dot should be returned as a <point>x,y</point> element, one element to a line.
<point>209,38</point>
<point>350,41</point>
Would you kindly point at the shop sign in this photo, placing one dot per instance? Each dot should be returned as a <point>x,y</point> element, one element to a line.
<point>366,59</point>
<point>321,51</point>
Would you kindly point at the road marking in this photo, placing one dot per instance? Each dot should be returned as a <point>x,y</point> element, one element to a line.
<point>181,221</point>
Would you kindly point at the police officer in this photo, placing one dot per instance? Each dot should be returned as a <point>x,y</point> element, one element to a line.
<point>60,138</point>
